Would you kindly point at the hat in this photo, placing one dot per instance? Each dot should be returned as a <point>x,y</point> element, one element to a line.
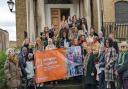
<point>123,43</point>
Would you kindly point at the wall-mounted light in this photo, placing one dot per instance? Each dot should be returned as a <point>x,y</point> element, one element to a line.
<point>11,5</point>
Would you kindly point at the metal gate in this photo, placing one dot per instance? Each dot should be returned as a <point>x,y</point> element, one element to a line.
<point>120,30</point>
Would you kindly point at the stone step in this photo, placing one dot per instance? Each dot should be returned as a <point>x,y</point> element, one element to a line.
<point>62,86</point>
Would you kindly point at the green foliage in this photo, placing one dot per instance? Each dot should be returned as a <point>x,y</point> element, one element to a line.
<point>2,75</point>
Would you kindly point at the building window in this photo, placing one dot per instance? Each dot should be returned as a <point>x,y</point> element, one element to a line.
<point>121,12</point>
<point>58,1</point>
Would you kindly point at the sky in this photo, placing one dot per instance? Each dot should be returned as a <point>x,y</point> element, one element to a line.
<point>7,20</point>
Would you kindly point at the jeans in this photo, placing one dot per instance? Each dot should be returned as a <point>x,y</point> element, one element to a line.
<point>102,80</point>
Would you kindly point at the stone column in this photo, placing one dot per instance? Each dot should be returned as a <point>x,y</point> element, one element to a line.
<point>99,15</point>
<point>32,23</point>
<point>87,12</point>
<point>81,8</point>
<point>30,20</point>
<point>21,21</point>
<point>40,15</point>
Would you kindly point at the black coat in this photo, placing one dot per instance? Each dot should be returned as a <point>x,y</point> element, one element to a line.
<point>89,78</point>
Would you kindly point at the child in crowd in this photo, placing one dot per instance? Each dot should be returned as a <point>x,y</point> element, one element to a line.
<point>30,71</point>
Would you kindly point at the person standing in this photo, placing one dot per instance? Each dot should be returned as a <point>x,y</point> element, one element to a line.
<point>22,61</point>
<point>30,71</point>
<point>50,45</point>
<point>90,70</point>
<point>101,71</point>
<point>122,67</point>
<point>12,70</point>
<point>110,58</point>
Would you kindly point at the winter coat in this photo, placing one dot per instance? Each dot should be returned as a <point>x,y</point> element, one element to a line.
<point>123,69</point>
<point>13,74</point>
<point>90,70</point>
<point>29,69</point>
<point>22,63</point>
<point>110,59</point>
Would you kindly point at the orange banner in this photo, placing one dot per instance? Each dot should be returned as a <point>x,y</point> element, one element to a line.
<point>50,65</point>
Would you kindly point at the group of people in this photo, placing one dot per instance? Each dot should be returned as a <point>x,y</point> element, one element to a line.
<point>104,60</point>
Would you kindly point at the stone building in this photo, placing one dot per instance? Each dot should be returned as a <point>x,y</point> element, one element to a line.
<point>4,40</point>
<point>33,15</point>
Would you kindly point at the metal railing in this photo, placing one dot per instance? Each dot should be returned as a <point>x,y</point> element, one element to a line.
<point>120,30</point>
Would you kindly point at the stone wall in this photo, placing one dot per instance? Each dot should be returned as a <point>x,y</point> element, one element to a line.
<point>109,10</point>
<point>21,20</point>
<point>4,40</point>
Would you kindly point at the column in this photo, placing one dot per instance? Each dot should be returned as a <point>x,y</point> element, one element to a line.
<point>81,8</point>
<point>40,15</point>
<point>30,20</point>
<point>32,23</point>
<point>99,15</point>
<point>87,12</point>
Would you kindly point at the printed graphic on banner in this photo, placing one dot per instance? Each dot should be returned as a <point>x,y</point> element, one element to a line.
<point>50,65</point>
<point>74,56</point>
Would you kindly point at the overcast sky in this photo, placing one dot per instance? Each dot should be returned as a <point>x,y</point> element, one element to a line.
<point>7,20</point>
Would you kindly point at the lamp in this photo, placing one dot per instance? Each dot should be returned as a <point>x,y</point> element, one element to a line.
<point>11,5</point>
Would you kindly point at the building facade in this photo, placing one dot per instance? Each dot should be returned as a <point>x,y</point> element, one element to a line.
<point>4,40</point>
<point>33,15</point>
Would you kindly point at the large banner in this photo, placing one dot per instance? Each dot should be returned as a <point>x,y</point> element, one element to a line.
<point>74,57</point>
<point>50,65</point>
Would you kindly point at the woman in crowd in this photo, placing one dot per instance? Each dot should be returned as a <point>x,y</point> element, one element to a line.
<point>64,41</point>
<point>12,70</point>
<point>81,40</point>
<point>64,23</point>
<point>95,45</point>
<point>89,69</point>
<point>122,67</point>
<point>73,33</point>
<point>50,45</point>
<point>114,42</point>
<point>110,58</point>
<point>74,19</point>
<point>23,55</point>
<point>39,46</point>
<point>84,26</point>
<point>46,30</point>
<point>69,21</point>
<point>101,67</point>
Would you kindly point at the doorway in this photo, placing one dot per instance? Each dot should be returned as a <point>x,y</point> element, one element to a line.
<point>57,14</point>
<point>65,12</point>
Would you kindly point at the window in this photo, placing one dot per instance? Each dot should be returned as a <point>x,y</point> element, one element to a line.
<point>58,1</point>
<point>121,12</point>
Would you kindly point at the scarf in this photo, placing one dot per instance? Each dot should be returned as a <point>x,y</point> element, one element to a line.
<point>13,59</point>
<point>121,58</point>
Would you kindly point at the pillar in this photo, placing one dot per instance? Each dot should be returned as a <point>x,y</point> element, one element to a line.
<point>40,15</point>
<point>87,13</point>
<point>30,20</point>
<point>99,15</point>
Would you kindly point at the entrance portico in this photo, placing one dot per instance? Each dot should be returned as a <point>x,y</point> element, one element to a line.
<point>40,13</point>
